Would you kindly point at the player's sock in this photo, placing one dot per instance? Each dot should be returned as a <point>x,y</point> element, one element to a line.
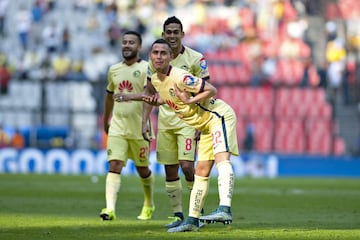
<point>113,183</point>
<point>197,196</point>
<point>190,185</point>
<point>148,187</point>
<point>174,190</point>
<point>225,182</point>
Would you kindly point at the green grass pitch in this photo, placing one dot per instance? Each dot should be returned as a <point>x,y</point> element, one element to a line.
<point>67,207</point>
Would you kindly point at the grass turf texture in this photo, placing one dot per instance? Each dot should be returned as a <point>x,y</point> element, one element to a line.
<point>67,207</point>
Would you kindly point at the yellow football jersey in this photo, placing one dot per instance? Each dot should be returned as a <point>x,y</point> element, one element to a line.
<point>127,116</point>
<point>196,115</point>
<point>191,61</point>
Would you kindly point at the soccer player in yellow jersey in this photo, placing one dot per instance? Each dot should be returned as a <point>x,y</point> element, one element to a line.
<point>176,141</point>
<point>123,123</point>
<point>191,99</point>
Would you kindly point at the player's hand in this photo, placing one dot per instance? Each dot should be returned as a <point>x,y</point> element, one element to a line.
<point>119,97</point>
<point>152,100</point>
<point>182,95</point>
<point>146,132</point>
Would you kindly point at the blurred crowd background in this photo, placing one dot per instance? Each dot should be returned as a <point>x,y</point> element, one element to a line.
<point>290,68</point>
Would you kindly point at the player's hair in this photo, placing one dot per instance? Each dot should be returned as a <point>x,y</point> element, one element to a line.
<point>161,41</point>
<point>130,32</point>
<point>170,20</point>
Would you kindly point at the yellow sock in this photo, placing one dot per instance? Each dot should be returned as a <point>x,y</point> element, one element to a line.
<point>174,190</point>
<point>190,185</point>
<point>148,187</point>
<point>113,183</point>
<point>198,195</point>
<point>225,182</point>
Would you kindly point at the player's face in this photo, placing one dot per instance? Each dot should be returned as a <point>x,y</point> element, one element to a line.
<point>130,46</point>
<point>160,56</point>
<point>173,35</point>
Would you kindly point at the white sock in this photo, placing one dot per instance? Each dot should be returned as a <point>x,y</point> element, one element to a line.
<point>198,195</point>
<point>113,182</point>
<point>225,182</point>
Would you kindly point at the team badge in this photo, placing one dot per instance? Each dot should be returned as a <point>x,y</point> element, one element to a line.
<point>184,67</point>
<point>203,64</point>
<point>172,92</point>
<point>189,80</point>
<point>137,73</point>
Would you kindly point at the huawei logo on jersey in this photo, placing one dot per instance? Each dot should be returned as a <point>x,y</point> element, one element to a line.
<point>125,85</point>
<point>172,105</point>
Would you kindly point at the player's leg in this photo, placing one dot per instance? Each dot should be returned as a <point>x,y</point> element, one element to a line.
<point>139,151</point>
<point>225,189</point>
<point>200,188</point>
<point>186,153</point>
<point>226,144</point>
<point>117,149</point>
<point>167,154</point>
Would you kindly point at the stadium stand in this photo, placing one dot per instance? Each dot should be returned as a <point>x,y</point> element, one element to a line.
<point>258,53</point>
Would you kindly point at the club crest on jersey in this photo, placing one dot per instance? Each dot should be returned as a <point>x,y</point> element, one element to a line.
<point>125,84</point>
<point>184,67</point>
<point>189,80</point>
<point>172,92</point>
<point>203,64</point>
<point>137,73</point>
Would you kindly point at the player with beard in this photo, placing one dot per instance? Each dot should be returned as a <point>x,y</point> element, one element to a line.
<point>123,124</point>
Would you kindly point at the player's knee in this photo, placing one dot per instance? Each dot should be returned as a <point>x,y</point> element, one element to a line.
<point>188,170</point>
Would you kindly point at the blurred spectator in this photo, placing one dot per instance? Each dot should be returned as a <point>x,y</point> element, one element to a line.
<point>5,77</point>
<point>249,139</point>
<point>61,65</point>
<point>23,24</point>
<point>310,76</point>
<point>4,138</point>
<point>51,4</point>
<point>114,33</point>
<point>111,12</point>
<point>65,39</point>
<point>45,69</point>
<point>336,58</point>
<point>17,140</point>
<point>258,77</point>
<point>322,75</point>
<point>51,37</point>
<point>82,5</point>
<point>3,9</point>
<point>77,70</point>
<point>37,11</point>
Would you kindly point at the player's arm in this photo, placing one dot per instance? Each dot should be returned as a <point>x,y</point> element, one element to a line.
<point>109,104</point>
<point>147,108</point>
<point>123,97</point>
<point>206,91</point>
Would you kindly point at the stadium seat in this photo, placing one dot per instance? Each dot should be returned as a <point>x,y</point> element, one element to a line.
<point>289,136</point>
<point>319,135</point>
<point>263,133</point>
<point>339,146</point>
